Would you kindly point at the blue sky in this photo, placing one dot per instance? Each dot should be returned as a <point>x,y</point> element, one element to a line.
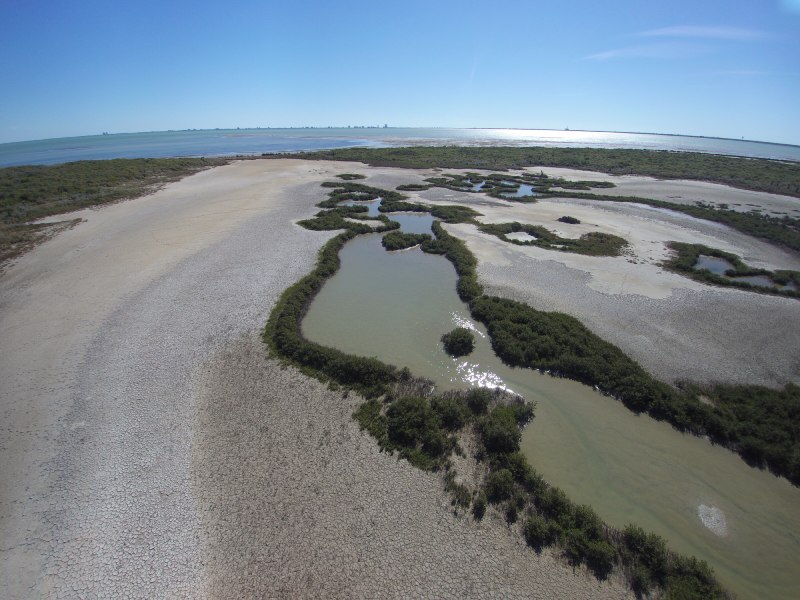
<point>710,67</point>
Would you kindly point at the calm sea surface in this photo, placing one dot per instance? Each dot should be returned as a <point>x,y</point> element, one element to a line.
<point>226,142</point>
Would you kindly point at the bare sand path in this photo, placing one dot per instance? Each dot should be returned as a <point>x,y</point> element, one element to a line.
<point>149,449</point>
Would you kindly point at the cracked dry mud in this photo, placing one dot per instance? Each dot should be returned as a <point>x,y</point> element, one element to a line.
<point>150,448</point>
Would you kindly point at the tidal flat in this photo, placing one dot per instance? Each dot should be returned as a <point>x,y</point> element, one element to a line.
<point>156,451</point>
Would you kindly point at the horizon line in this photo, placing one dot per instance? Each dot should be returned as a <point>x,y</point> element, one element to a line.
<point>381,127</point>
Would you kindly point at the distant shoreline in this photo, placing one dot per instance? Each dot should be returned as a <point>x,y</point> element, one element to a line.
<point>258,141</point>
<point>381,128</point>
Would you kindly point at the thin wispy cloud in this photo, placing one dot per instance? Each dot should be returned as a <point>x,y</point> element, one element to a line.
<point>680,41</point>
<point>667,50</point>
<point>705,32</point>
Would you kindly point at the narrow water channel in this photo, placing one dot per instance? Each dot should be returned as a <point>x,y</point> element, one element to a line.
<point>703,499</point>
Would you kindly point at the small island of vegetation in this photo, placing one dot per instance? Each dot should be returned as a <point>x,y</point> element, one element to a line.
<point>396,240</point>
<point>458,342</point>
<point>594,243</point>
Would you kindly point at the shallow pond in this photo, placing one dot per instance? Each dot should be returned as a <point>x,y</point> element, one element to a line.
<point>715,264</point>
<point>413,222</point>
<point>372,205</point>
<point>703,499</point>
<point>764,281</point>
<point>719,266</point>
<point>523,191</point>
<point>759,280</point>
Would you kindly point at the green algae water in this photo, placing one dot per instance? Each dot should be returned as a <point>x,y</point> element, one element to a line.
<point>704,500</point>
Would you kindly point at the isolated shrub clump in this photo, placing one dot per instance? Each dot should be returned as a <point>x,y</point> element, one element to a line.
<point>458,342</point>
<point>479,506</point>
<point>570,220</point>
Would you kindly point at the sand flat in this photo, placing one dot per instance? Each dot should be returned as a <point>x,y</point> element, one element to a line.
<point>681,191</point>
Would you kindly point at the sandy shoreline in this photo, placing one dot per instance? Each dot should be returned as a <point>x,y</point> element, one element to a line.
<point>142,425</point>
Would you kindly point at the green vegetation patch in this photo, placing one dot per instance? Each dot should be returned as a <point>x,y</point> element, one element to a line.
<point>422,428</point>
<point>33,192</point>
<point>350,176</point>
<point>332,220</point>
<point>413,187</point>
<point>760,423</point>
<point>463,260</point>
<point>569,220</point>
<point>592,243</point>
<point>344,191</point>
<point>685,260</point>
<point>397,240</point>
<point>458,342</point>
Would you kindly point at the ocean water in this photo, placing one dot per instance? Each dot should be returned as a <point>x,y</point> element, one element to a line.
<point>229,142</point>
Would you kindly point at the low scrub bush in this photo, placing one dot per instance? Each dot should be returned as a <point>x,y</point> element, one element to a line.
<point>499,486</point>
<point>458,342</point>
<point>479,506</point>
<point>452,410</point>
